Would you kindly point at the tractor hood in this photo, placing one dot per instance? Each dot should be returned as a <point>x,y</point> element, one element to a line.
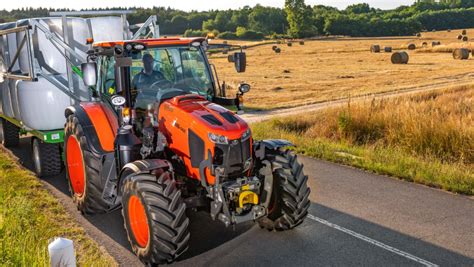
<point>200,115</point>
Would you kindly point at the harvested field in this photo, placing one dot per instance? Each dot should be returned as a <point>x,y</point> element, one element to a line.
<point>342,67</point>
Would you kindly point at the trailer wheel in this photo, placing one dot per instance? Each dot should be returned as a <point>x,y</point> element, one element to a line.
<point>289,202</point>
<point>9,133</point>
<point>154,218</point>
<point>46,158</point>
<point>83,170</point>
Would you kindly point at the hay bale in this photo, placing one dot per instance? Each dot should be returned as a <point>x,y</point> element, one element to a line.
<point>278,50</point>
<point>464,32</point>
<point>418,35</point>
<point>230,58</point>
<point>290,44</point>
<point>449,30</point>
<point>435,43</point>
<point>460,37</point>
<point>301,42</point>
<point>224,42</point>
<point>424,44</point>
<point>375,48</point>
<point>400,58</point>
<point>411,47</point>
<point>465,38</point>
<point>225,51</point>
<point>388,49</point>
<point>274,47</point>
<point>461,53</point>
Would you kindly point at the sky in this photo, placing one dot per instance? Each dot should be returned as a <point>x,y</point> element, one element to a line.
<point>188,5</point>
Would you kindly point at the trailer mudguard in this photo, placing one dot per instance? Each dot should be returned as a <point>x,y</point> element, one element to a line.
<point>99,123</point>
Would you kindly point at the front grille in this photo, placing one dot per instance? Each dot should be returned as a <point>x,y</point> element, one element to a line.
<point>233,157</point>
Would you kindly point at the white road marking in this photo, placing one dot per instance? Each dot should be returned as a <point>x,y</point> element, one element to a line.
<point>373,242</point>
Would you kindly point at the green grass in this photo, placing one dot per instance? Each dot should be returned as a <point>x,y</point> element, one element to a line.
<point>30,217</point>
<point>427,138</point>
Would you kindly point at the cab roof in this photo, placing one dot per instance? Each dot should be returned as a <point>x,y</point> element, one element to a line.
<point>151,42</point>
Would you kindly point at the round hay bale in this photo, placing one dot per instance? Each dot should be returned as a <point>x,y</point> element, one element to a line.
<point>411,47</point>
<point>400,58</point>
<point>274,47</point>
<point>465,39</point>
<point>460,37</point>
<point>461,53</point>
<point>418,35</point>
<point>230,58</point>
<point>224,42</point>
<point>278,50</point>
<point>435,43</point>
<point>375,48</point>
<point>424,44</point>
<point>449,30</point>
<point>225,51</point>
<point>464,32</point>
<point>290,44</point>
<point>301,42</point>
<point>387,49</point>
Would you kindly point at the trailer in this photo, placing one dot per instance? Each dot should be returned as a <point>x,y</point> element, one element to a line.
<point>40,75</point>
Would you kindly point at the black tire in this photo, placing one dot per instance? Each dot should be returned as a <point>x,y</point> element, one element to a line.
<point>90,201</point>
<point>289,202</point>
<point>166,218</point>
<point>9,133</point>
<point>46,158</point>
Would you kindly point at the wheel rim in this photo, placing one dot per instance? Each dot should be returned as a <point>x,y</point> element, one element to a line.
<point>75,166</point>
<point>36,157</point>
<point>138,221</point>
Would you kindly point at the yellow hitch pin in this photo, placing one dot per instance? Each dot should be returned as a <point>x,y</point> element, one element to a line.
<point>247,197</point>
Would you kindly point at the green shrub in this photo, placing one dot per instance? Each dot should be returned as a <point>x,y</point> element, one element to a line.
<point>244,34</point>
<point>227,36</point>
<point>195,33</point>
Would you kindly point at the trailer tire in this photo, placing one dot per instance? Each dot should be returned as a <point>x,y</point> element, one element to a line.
<point>289,202</point>
<point>82,170</point>
<point>9,133</point>
<point>155,218</point>
<point>46,158</point>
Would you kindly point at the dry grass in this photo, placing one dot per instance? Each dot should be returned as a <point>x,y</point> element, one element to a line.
<point>30,217</point>
<point>426,137</point>
<point>332,69</point>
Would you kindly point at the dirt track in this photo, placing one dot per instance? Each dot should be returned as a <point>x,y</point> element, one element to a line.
<point>465,79</point>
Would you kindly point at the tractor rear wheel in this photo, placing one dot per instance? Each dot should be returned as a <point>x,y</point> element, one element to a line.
<point>155,219</point>
<point>289,202</point>
<point>46,158</point>
<point>83,170</point>
<point>9,133</point>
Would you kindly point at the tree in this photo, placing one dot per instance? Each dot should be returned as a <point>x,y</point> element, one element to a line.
<point>359,8</point>
<point>299,17</point>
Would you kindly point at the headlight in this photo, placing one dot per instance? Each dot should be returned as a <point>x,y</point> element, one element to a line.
<point>246,135</point>
<point>218,139</point>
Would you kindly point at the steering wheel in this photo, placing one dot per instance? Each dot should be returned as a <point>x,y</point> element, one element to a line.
<point>161,84</point>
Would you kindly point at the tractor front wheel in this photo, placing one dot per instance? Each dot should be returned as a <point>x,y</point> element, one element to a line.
<point>289,202</point>
<point>155,219</point>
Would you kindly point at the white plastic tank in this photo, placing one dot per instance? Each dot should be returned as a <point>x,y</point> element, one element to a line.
<point>7,108</point>
<point>49,57</point>
<point>107,29</point>
<point>42,104</point>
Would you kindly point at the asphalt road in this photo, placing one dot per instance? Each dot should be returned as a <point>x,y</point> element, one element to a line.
<point>356,218</point>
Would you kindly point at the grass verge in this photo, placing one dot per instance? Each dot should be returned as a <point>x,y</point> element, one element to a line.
<point>30,217</point>
<point>425,138</point>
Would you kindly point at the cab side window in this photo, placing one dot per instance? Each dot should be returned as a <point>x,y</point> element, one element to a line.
<point>108,82</point>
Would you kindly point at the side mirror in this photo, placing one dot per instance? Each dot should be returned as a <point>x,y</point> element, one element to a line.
<point>240,60</point>
<point>89,72</point>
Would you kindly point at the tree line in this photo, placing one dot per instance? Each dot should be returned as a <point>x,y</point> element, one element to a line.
<point>296,19</point>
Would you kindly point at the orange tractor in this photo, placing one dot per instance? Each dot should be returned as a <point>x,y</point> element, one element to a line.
<point>156,140</point>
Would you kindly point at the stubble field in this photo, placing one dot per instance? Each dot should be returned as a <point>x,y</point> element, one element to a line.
<point>329,69</point>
